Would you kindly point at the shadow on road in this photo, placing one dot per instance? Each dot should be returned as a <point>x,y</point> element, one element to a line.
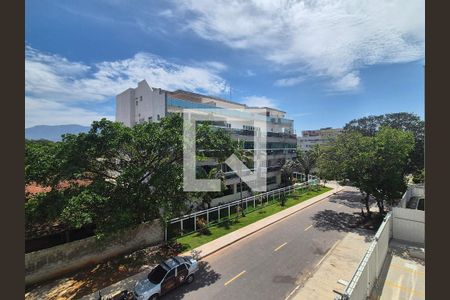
<point>350,198</point>
<point>204,277</point>
<point>340,221</point>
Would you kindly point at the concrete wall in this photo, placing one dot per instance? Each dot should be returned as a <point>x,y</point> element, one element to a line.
<point>409,225</point>
<point>124,108</point>
<point>369,269</point>
<point>140,104</point>
<point>52,262</point>
<point>153,102</point>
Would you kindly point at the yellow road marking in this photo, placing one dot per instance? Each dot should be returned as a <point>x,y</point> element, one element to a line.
<point>308,227</point>
<point>279,247</point>
<point>235,277</point>
<point>408,269</point>
<point>404,288</point>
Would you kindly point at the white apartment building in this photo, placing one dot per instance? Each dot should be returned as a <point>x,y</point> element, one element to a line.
<point>323,136</point>
<point>144,103</point>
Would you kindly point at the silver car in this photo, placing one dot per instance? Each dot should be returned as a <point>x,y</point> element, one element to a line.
<point>165,277</point>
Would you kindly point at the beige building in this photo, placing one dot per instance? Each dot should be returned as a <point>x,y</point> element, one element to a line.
<point>322,136</point>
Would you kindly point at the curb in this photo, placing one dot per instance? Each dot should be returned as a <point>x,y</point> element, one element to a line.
<point>200,257</point>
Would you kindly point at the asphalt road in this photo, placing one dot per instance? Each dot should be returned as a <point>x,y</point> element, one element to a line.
<point>272,262</point>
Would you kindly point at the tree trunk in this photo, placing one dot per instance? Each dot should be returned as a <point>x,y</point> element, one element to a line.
<point>380,204</point>
<point>366,203</point>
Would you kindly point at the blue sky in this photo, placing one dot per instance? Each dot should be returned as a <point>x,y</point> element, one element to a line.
<point>323,62</point>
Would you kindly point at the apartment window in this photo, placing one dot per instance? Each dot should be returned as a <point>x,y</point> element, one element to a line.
<point>158,117</point>
<point>137,103</point>
<point>149,119</point>
<point>140,98</point>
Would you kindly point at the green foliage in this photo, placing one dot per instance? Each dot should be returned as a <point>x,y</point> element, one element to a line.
<point>306,161</point>
<point>375,164</point>
<point>369,126</point>
<point>44,207</point>
<point>41,161</point>
<point>287,170</point>
<point>132,175</point>
<point>419,177</point>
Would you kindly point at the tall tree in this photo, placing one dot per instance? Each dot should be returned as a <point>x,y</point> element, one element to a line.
<point>370,125</point>
<point>134,174</point>
<point>375,164</point>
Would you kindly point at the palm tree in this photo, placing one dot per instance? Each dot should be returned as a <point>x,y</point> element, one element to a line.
<point>306,161</point>
<point>287,171</point>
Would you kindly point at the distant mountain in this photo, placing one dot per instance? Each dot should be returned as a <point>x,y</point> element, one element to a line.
<point>52,132</point>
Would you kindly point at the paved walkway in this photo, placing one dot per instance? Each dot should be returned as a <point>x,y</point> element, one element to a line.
<point>403,276</point>
<point>217,244</point>
<point>338,264</point>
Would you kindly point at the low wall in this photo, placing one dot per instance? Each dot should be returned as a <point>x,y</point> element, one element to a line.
<point>55,261</point>
<point>369,269</point>
<point>409,225</point>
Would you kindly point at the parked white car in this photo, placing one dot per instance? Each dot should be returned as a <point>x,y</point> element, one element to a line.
<point>165,277</point>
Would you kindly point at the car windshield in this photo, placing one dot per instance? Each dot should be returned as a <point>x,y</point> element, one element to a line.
<point>157,274</point>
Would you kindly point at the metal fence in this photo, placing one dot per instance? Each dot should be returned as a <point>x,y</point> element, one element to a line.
<point>369,269</point>
<point>190,223</point>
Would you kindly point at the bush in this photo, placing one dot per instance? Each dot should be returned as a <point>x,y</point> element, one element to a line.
<point>202,226</point>
<point>419,177</point>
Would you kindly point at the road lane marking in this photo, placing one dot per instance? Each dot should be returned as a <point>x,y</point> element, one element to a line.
<point>308,227</point>
<point>235,277</point>
<point>279,247</point>
<point>329,251</point>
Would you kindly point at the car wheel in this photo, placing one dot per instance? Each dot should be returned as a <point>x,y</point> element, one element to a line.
<point>190,278</point>
<point>154,297</point>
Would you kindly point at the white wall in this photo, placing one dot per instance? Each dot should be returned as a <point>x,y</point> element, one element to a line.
<point>124,109</point>
<point>153,102</point>
<point>150,103</point>
<point>409,225</point>
<point>369,269</point>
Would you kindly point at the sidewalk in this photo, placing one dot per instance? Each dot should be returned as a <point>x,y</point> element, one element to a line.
<point>220,243</point>
<point>338,264</point>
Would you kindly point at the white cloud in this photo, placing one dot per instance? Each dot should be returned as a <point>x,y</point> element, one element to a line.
<point>291,81</point>
<point>259,101</point>
<point>45,112</point>
<point>322,38</point>
<point>64,86</point>
<point>350,81</point>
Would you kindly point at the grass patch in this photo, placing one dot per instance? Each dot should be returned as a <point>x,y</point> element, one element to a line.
<point>196,239</point>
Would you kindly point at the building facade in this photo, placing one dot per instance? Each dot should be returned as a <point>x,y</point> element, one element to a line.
<point>322,136</point>
<point>147,104</point>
